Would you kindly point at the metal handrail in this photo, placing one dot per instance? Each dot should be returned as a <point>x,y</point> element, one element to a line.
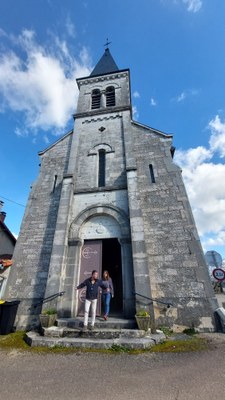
<point>157,301</point>
<point>49,298</point>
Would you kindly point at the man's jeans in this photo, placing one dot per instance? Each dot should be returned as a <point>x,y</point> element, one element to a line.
<point>106,297</point>
<point>93,304</point>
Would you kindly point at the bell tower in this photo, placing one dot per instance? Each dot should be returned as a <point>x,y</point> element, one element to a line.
<point>106,90</point>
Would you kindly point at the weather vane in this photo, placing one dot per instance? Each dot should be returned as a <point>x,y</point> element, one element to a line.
<point>107,43</point>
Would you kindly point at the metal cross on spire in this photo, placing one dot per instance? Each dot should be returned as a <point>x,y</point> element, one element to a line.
<point>107,43</point>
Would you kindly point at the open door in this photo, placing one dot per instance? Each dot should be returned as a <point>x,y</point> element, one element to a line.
<point>102,255</point>
<point>111,261</point>
<point>91,258</point>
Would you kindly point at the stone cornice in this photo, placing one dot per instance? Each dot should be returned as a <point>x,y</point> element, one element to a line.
<point>100,189</point>
<point>100,78</point>
<point>101,111</point>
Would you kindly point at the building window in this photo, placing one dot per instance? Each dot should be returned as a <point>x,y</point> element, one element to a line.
<point>101,168</point>
<point>96,99</point>
<point>110,96</point>
<point>172,150</point>
<point>54,183</point>
<point>151,173</point>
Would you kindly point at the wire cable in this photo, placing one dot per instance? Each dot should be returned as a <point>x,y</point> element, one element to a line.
<point>12,201</point>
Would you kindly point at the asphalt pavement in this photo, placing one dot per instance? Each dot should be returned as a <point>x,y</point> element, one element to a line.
<point>122,376</point>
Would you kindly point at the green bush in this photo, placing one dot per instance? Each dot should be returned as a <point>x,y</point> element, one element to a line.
<point>49,311</point>
<point>142,313</point>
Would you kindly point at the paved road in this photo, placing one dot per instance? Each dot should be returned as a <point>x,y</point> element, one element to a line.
<point>91,376</point>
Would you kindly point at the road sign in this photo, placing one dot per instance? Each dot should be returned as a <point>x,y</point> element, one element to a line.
<point>213,259</point>
<point>219,274</point>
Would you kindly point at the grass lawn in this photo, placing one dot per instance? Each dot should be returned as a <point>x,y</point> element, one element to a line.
<point>15,341</point>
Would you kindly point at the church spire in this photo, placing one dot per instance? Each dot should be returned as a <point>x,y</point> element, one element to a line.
<point>106,64</point>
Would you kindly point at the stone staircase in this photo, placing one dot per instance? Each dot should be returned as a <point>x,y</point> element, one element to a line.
<point>106,335</point>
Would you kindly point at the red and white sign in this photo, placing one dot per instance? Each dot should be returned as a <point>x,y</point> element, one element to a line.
<point>219,274</point>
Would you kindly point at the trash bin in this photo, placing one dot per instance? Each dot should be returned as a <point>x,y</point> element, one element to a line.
<point>220,319</point>
<point>8,312</point>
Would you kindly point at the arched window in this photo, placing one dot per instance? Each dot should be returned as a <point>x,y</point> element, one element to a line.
<point>96,99</point>
<point>110,96</point>
<point>101,168</point>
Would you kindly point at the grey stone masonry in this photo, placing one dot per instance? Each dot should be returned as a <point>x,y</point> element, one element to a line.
<point>177,269</point>
<point>27,280</point>
<point>141,207</point>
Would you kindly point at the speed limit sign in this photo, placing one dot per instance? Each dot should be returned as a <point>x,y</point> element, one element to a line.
<point>219,274</point>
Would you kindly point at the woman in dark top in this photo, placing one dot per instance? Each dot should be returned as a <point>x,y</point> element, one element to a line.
<point>107,293</point>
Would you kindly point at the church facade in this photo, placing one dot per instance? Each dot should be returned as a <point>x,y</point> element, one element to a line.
<point>109,197</point>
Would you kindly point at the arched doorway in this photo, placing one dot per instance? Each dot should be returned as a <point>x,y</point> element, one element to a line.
<point>101,250</point>
<point>110,226</point>
<point>102,255</point>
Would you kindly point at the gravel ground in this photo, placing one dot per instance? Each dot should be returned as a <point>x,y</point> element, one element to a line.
<point>155,376</point>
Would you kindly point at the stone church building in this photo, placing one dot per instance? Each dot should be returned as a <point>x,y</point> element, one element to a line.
<point>109,196</point>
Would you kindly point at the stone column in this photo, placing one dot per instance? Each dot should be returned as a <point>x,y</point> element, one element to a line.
<point>140,258</point>
<point>60,242</point>
<point>127,278</point>
<point>68,304</point>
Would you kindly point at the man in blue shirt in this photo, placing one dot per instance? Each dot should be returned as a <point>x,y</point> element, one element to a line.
<point>92,285</point>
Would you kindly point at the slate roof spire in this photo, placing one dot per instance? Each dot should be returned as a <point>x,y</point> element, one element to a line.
<point>105,65</point>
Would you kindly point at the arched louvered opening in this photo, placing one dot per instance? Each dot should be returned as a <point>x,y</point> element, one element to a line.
<point>110,96</point>
<point>96,99</point>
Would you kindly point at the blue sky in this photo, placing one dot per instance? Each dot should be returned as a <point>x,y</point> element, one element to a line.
<point>175,52</point>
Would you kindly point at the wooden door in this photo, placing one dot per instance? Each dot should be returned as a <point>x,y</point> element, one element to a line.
<point>91,258</point>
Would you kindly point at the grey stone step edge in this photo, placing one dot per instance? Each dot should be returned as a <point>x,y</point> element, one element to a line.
<point>112,323</point>
<point>97,333</point>
<point>34,339</point>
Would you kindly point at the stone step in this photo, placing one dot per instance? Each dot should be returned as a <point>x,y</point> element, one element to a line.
<point>97,333</point>
<point>111,323</point>
<point>34,339</point>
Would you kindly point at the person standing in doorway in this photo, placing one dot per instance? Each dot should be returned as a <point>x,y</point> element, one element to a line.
<point>92,285</point>
<point>107,293</point>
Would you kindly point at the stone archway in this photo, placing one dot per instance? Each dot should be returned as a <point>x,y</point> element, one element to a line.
<point>102,222</point>
<point>108,210</point>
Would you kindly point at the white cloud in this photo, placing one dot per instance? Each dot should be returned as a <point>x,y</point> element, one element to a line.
<point>186,93</point>
<point>217,240</point>
<point>153,102</point>
<point>181,97</point>
<point>46,139</point>
<point>217,139</point>
<point>136,94</point>
<point>193,5</point>
<point>204,182</point>
<point>42,85</point>
<point>135,112</point>
<point>190,159</point>
<point>70,27</point>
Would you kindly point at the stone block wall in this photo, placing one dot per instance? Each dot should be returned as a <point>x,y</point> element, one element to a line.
<point>27,280</point>
<point>177,268</point>
<point>91,139</point>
